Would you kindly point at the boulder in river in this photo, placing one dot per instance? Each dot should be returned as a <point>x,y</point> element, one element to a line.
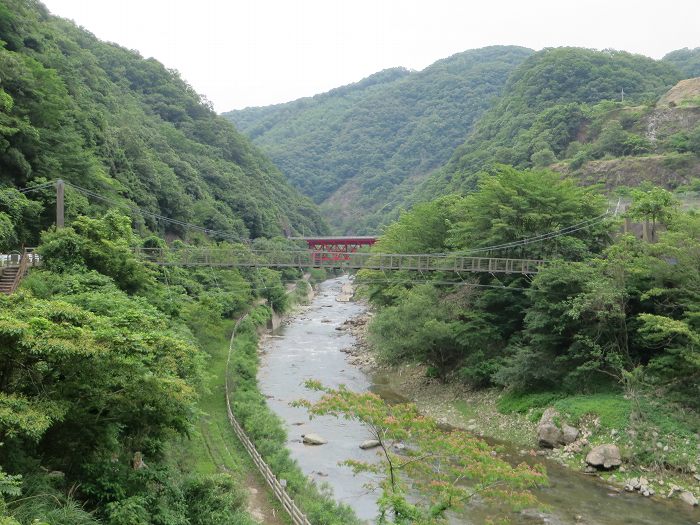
<point>604,456</point>
<point>313,439</point>
<point>369,443</point>
<point>689,498</point>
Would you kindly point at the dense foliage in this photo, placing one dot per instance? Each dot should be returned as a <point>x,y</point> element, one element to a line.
<point>610,313</point>
<point>686,60</point>
<point>105,360</point>
<point>467,327</point>
<point>360,147</point>
<point>104,118</point>
<point>96,384</point>
<point>544,107</point>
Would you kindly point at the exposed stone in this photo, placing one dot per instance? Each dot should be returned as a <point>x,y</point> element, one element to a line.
<point>548,435</point>
<point>313,439</point>
<point>568,434</point>
<point>689,498</point>
<point>137,462</point>
<point>604,456</point>
<point>369,443</point>
<point>549,415</point>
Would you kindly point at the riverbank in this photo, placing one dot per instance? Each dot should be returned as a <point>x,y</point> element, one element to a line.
<point>662,438</point>
<point>266,430</point>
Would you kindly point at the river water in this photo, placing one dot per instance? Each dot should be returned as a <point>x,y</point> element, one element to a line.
<point>309,347</point>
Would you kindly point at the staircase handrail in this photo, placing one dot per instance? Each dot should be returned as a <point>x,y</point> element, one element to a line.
<point>27,254</point>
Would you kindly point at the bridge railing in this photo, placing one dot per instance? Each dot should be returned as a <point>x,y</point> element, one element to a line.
<point>234,257</point>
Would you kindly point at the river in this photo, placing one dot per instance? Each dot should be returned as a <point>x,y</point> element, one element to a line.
<point>309,347</point>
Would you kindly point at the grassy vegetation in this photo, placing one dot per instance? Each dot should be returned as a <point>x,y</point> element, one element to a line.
<point>649,432</point>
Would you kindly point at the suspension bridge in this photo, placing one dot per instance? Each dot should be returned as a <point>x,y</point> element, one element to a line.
<point>233,258</point>
<point>331,252</point>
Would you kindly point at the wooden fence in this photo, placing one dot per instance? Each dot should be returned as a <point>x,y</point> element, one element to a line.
<point>278,489</point>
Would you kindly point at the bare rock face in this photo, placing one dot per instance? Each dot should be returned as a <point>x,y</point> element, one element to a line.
<point>604,456</point>
<point>548,435</point>
<point>137,463</point>
<point>313,439</point>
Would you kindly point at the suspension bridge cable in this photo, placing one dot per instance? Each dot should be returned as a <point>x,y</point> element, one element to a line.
<point>37,188</point>
<point>208,231</point>
<point>542,237</point>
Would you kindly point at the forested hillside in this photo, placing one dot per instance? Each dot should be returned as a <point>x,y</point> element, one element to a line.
<point>607,333</point>
<point>360,148</point>
<point>553,102</point>
<point>112,369</point>
<point>104,118</point>
<point>686,60</point>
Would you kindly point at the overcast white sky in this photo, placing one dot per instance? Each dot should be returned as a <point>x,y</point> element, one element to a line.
<point>242,53</point>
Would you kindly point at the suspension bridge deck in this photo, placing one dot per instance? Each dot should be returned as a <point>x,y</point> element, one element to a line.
<point>339,260</point>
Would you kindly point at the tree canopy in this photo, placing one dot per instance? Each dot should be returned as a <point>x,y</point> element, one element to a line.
<point>127,128</point>
<point>543,108</point>
<point>359,148</point>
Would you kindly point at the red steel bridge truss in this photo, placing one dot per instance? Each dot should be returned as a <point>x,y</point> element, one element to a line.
<point>335,249</point>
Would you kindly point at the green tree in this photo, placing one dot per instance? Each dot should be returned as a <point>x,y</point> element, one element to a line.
<point>513,206</point>
<point>543,158</point>
<point>654,204</point>
<point>445,468</point>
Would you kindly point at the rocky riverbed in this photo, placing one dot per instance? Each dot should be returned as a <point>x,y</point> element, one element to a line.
<point>456,405</point>
<point>326,341</point>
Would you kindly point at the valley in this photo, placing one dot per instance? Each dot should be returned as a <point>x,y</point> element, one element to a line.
<point>520,342</point>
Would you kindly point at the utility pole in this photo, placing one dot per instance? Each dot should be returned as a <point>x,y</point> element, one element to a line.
<point>622,94</point>
<point>60,204</point>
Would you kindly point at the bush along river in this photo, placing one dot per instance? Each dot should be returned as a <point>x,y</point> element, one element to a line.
<point>315,343</point>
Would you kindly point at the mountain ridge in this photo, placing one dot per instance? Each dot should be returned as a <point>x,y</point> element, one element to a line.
<point>104,118</point>
<point>380,132</point>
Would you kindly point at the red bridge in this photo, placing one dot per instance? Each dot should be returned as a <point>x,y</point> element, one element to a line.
<point>335,248</point>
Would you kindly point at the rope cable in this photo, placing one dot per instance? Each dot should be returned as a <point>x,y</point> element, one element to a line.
<point>542,237</point>
<point>208,231</point>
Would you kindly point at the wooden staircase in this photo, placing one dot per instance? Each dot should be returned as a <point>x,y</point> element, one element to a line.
<point>13,273</point>
<point>8,278</point>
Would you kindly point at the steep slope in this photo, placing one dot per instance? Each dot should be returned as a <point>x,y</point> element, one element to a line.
<point>360,147</point>
<point>546,106</point>
<point>106,119</point>
<point>626,146</point>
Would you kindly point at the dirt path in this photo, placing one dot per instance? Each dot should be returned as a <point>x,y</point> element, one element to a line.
<point>261,509</point>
